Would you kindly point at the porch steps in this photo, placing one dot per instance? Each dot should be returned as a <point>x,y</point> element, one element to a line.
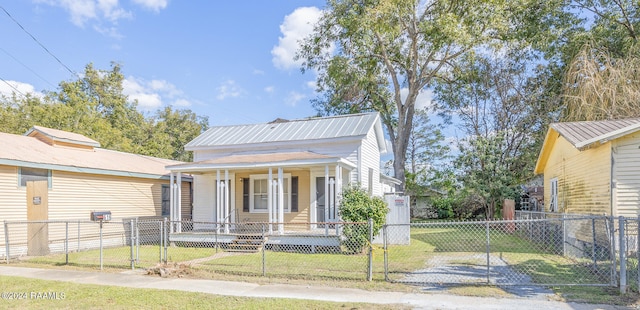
<point>247,243</point>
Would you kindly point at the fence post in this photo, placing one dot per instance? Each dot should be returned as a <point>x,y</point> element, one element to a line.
<point>6,240</point>
<point>165,233</point>
<point>384,246</point>
<point>593,248</point>
<point>623,256</point>
<point>564,234</point>
<point>488,248</point>
<point>137,240</point>
<point>612,249</point>
<point>638,250</point>
<point>264,258</point>
<point>100,244</point>
<point>161,224</point>
<point>132,244</point>
<point>370,268</point>
<point>66,242</point>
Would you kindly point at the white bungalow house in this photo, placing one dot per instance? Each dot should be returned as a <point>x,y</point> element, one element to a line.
<point>282,172</point>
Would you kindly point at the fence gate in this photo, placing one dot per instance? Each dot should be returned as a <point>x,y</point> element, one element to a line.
<point>557,251</point>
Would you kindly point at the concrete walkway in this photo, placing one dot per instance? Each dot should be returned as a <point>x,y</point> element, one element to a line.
<point>416,300</point>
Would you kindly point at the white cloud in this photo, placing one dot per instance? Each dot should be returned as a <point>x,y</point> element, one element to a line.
<point>154,5</point>
<point>311,84</point>
<point>295,27</point>
<point>269,89</point>
<point>293,98</point>
<point>104,14</point>
<point>228,89</point>
<point>258,72</point>
<point>10,87</point>
<point>182,103</point>
<point>153,94</point>
<point>423,100</point>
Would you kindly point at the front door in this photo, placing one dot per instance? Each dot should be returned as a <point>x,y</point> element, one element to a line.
<point>321,214</point>
<point>37,210</point>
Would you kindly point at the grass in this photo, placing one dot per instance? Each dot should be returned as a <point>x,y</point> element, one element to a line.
<point>87,296</point>
<point>430,246</point>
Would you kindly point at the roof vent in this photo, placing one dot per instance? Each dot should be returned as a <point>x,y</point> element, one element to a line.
<point>278,121</point>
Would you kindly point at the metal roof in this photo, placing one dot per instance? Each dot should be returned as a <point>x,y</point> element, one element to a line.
<point>353,125</point>
<point>249,161</point>
<point>27,151</point>
<point>585,134</point>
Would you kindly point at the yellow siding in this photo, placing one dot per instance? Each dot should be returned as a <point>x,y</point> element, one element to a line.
<point>583,178</point>
<point>13,201</point>
<point>302,216</point>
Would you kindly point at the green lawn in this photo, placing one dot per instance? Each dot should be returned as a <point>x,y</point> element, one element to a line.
<point>461,245</point>
<point>86,296</point>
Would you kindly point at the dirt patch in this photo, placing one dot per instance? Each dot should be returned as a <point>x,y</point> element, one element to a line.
<point>175,270</point>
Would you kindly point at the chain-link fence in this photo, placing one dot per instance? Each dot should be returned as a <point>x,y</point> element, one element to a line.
<point>336,251</point>
<point>534,249</point>
<point>551,251</point>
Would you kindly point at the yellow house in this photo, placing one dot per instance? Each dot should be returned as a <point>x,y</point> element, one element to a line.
<point>49,174</point>
<point>592,167</point>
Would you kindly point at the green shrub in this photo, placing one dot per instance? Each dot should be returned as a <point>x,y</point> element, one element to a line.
<point>358,206</point>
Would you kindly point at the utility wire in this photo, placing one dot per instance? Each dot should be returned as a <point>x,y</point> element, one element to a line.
<point>36,40</point>
<point>27,67</point>
<point>14,88</point>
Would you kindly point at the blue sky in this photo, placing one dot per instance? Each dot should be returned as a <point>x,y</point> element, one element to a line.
<point>229,60</point>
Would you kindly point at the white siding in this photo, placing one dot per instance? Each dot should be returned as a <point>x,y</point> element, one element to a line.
<point>371,159</point>
<point>627,176</point>
<point>203,198</point>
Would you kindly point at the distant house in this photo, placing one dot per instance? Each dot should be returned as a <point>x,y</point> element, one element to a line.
<point>592,167</point>
<point>284,171</point>
<point>50,174</point>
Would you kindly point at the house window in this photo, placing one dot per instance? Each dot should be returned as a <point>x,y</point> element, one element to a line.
<point>553,204</point>
<point>34,174</point>
<point>259,193</point>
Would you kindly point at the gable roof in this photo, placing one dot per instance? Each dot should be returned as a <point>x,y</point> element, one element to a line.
<point>29,151</point>
<point>584,135</point>
<point>55,135</point>
<point>319,128</point>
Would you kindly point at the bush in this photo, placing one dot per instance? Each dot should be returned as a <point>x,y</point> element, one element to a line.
<point>358,206</point>
<point>444,206</point>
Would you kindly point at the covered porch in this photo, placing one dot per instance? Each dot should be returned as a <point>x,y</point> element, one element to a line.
<point>293,193</point>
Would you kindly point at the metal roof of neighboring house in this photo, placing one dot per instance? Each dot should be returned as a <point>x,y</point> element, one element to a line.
<point>62,136</point>
<point>584,135</point>
<point>27,151</point>
<point>265,160</point>
<point>342,126</point>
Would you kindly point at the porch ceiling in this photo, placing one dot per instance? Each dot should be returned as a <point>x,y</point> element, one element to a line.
<point>266,160</point>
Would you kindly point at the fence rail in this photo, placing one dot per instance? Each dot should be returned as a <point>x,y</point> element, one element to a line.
<point>535,249</point>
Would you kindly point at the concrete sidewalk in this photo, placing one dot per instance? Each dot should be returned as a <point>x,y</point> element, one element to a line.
<point>418,301</point>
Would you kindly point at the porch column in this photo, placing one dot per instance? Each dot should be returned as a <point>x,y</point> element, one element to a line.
<point>326,194</point>
<point>270,197</point>
<point>178,197</point>
<point>338,190</point>
<point>172,201</point>
<point>218,208</point>
<point>225,196</point>
<point>281,200</point>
